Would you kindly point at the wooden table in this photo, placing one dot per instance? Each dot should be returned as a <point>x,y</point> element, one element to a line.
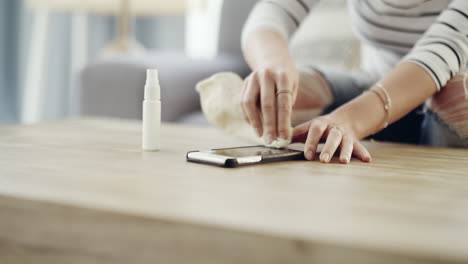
<point>82,191</point>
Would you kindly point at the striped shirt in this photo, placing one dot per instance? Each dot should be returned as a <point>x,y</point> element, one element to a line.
<point>430,33</point>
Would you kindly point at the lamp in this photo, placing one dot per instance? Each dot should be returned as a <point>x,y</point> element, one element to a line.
<point>140,7</point>
<point>125,41</point>
<point>125,10</point>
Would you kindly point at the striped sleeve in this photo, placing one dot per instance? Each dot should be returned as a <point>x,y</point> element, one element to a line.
<point>282,16</point>
<point>443,49</point>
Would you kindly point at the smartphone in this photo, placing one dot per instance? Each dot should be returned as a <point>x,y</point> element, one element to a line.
<point>241,156</point>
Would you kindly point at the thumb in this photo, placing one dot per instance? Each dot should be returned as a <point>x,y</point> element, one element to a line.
<point>300,132</point>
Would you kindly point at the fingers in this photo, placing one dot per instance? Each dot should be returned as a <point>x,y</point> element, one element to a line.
<point>316,130</point>
<point>348,145</point>
<point>249,104</point>
<point>284,109</point>
<point>361,152</point>
<point>346,148</point>
<point>268,106</point>
<point>273,119</point>
<point>334,139</point>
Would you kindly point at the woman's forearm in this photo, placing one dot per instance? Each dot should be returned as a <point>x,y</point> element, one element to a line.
<point>408,86</point>
<point>266,48</point>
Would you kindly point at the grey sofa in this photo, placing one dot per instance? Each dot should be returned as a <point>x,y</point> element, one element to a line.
<point>113,87</point>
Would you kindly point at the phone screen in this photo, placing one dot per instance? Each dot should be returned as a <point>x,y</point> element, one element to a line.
<point>251,151</point>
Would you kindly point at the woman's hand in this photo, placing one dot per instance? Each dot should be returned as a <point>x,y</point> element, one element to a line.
<point>336,135</point>
<point>266,111</point>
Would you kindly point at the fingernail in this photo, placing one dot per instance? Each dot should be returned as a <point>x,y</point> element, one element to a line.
<point>309,155</point>
<point>283,135</point>
<point>258,132</point>
<point>269,138</point>
<point>325,157</point>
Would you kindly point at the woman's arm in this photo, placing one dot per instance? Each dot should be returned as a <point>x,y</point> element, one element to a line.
<point>408,85</point>
<point>443,50</point>
<point>267,48</point>
<point>436,58</point>
<point>273,68</point>
<point>265,45</point>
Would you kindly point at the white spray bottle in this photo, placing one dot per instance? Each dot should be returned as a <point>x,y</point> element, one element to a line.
<point>152,112</point>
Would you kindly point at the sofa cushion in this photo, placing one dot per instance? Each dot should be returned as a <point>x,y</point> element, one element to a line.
<point>113,86</point>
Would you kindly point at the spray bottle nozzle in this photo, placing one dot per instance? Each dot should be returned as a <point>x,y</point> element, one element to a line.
<point>152,88</point>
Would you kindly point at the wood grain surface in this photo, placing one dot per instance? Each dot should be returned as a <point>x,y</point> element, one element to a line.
<point>82,191</point>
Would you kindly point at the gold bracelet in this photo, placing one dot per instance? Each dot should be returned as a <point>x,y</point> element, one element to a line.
<point>382,93</point>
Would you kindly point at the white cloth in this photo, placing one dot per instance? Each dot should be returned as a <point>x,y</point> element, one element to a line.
<point>220,101</point>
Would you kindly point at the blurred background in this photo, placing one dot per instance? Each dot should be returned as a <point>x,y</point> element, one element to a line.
<point>64,58</point>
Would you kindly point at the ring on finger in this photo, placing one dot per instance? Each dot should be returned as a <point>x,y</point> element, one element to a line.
<point>283,91</point>
<point>337,128</point>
